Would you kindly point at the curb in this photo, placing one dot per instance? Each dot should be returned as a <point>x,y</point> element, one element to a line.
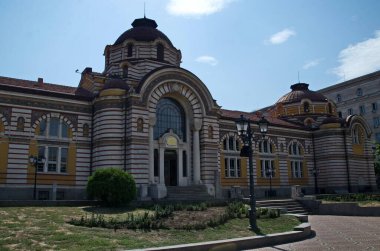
<point>300,232</point>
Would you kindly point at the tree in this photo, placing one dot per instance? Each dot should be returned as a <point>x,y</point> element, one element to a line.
<point>112,186</point>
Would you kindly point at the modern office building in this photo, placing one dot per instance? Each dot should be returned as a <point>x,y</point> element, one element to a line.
<point>148,116</point>
<point>359,96</point>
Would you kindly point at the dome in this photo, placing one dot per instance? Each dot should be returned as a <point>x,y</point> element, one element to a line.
<point>301,91</point>
<point>144,29</point>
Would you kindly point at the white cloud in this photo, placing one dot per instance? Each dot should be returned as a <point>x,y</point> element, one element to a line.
<point>311,63</point>
<point>282,36</point>
<point>359,59</point>
<point>195,8</point>
<point>207,60</point>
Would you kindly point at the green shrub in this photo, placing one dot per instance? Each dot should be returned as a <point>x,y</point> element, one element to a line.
<point>112,186</point>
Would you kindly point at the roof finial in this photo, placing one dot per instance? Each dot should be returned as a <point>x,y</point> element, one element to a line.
<point>144,10</point>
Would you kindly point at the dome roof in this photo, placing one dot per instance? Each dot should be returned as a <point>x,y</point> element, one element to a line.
<point>301,91</point>
<point>144,29</point>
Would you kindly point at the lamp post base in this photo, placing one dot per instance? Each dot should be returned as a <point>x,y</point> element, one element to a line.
<point>252,221</point>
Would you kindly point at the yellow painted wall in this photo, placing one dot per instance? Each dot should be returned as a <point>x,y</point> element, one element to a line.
<point>298,181</point>
<point>292,110</point>
<point>230,181</point>
<point>4,147</point>
<point>320,109</point>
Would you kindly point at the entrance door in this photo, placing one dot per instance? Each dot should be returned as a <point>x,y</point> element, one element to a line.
<point>170,168</point>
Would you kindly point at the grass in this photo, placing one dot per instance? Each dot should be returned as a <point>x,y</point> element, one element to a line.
<point>43,228</point>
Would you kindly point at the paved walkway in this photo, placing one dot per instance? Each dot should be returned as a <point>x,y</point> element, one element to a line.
<point>338,233</point>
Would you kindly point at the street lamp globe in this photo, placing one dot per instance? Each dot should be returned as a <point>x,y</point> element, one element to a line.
<point>263,125</point>
<point>242,126</point>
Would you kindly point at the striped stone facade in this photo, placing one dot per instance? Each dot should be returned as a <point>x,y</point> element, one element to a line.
<point>157,121</point>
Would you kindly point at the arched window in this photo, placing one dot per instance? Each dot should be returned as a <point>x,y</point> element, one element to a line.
<point>356,135</point>
<point>20,124</point>
<point>170,115</point>
<point>56,154</point>
<point>306,107</point>
<point>54,127</point>
<point>86,130</point>
<point>232,160</point>
<point>130,50</point>
<point>140,125</point>
<point>160,52</point>
<point>296,162</point>
<point>265,146</point>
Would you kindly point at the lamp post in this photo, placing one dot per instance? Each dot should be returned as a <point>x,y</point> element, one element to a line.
<point>270,174</point>
<point>243,126</point>
<point>36,160</point>
<point>315,173</point>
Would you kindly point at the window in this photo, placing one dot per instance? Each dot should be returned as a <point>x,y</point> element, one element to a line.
<point>338,98</point>
<point>376,122</point>
<point>170,115</point>
<point>295,149</point>
<point>340,115</point>
<point>265,147</point>
<point>54,127</point>
<point>231,143</point>
<point>232,167</point>
<point>130,50</point>
<point>359,92</point>
<point>56,159</point>
<point>374,107</point>
<point>296,166</point>
<point>362,109</point>
<point>356,135</point>
<point>350,111</point>
<point>267,168</point>
<point>225,144</point>
<point>306,107</point>
<point>377,136</point>
<point>160,52</point>
<point>20,124</point>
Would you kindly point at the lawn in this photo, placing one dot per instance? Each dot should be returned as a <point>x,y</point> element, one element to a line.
<point>46,228</point>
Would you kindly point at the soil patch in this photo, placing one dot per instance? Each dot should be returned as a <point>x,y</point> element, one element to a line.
<point>180,219</point>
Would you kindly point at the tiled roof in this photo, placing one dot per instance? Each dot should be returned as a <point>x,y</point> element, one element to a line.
<point>255,117</point>
<point>37,86</point>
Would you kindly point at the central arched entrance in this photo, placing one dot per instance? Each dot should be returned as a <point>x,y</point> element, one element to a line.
<point>171,167</point>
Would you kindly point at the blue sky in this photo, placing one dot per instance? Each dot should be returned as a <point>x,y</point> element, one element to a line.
<point>247,52</point>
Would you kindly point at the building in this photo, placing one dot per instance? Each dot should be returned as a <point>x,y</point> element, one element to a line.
<point>359,96</point>
<point>150,117</point>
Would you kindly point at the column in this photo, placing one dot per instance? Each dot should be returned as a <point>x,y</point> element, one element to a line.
<point>162,166</point>
<point>196,152</point>
<point>152,122</point>
<point>180,167</point>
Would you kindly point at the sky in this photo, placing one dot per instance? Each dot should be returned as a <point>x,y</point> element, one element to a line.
<point>247,52</point>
